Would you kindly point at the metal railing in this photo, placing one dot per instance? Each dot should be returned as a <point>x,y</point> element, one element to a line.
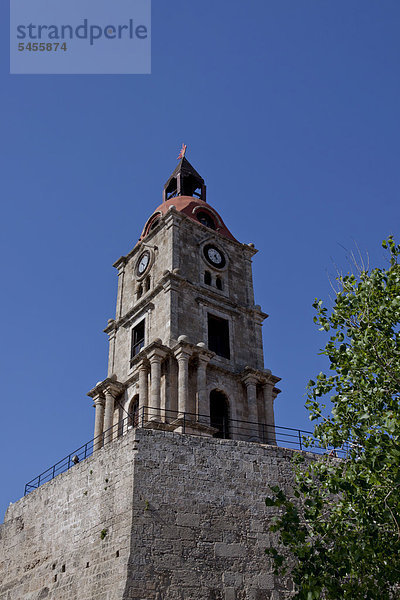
<point>191,424</point>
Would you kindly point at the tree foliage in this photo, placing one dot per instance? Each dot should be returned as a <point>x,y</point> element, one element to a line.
<point>342,532</point>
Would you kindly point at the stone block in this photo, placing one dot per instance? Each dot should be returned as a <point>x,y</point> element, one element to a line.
<point>229,550</point>
<point>265,581</point>
<point>232,579</point>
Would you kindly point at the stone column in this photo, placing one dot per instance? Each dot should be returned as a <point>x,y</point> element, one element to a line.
<point>120,264</point>
<point>182,356</point>
<point>269,413</point>
<point>203,403</point>
<point>108,415</point>
<point>155,359</point>
<point>98,422</point>
<point>251,388</point>
<point>143,392</point>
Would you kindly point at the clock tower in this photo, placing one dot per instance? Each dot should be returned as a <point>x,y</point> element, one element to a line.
<point>185,347</point>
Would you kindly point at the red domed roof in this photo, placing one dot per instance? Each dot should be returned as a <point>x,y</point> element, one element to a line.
<point>192,208</point>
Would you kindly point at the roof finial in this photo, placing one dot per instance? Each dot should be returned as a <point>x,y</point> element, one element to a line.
<point>182,152</point>
<point>185,180</point>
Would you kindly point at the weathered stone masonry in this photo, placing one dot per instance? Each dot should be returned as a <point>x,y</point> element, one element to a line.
<point>186,340</point>
<point>152,515</point>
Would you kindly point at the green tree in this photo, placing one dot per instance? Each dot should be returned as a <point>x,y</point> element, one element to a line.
<point>342,530</point>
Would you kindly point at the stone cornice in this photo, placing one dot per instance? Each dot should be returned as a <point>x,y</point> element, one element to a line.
<point>156,350</point>
<point>216,301</point>
<point>273,379</point>
<point>263,376</point>
<point>120,262</point>
<point>213,299</point>
<point>174,280</point>
<point>145,353</point>
<point>107,384</point>
<point>171,280</point>
<point>199,350</point>
<point>134,313</point>
<point>132,378</point>
<point>226,305</point>
<point>140,356</point>
<point>223,369</point>
<point>258,314</point>
<point>250,375</point>
<point>181,345</point>
<point>111,327</point>
<point>203,353</point>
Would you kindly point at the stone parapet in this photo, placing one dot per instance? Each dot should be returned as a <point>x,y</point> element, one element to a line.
<point>152,515</point>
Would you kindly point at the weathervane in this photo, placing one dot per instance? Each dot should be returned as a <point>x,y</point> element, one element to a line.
<point>182,152</point>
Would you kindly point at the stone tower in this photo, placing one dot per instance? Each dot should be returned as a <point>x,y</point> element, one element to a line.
<point>154,514</point>
<point>186,351</point>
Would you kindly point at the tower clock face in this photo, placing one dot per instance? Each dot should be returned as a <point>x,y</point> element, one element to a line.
<point>214,256</point>
<point>143,262</point>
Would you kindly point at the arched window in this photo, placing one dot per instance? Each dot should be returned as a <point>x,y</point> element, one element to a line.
<point>219,414</point>
<point>206,219</point>
<point>133,419</point>
<point>154,223</point>
<point>218,283</point>
<point>207,278</point>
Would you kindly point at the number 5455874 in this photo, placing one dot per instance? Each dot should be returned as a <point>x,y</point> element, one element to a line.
<point>42,46</point>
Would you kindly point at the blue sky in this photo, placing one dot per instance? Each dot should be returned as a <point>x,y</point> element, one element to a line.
<point>290,110</point>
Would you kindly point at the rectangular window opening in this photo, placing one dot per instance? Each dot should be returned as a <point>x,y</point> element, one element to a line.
<point>218,336</point>
<point>137,338</point>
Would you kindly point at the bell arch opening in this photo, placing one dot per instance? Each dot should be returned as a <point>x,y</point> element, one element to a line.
<point>133,412</point>
<point>219,414</point>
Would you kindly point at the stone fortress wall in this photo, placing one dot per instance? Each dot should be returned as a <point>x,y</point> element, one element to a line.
<point>152,515</point>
